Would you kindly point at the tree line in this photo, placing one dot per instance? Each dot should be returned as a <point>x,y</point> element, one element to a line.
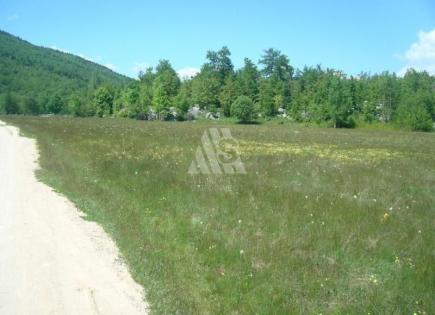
<point>272,87</point>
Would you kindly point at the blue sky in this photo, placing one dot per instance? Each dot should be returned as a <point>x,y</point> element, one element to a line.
<point>353,36</point>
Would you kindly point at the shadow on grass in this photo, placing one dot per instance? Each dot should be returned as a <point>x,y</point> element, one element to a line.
<point>253,122</point>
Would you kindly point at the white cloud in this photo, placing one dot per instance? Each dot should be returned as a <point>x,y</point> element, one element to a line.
<point>60,49</point>
<point>111,66</point>
<point>86,57</point>
<point>97,59</point>
<point>138,67</point>
<point>187,73</point>
<point>13,17</point>
<point>421,54</point>
<point>81,55</point>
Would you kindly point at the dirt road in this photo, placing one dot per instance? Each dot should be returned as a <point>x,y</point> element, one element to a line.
<point>52,261</point>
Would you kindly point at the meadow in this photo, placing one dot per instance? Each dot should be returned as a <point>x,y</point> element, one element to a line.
<point>325,221</point>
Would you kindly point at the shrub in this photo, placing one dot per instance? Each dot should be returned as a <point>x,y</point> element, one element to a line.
<point>10,104</point>
<point>242,109</point>
<point>141,116</point>
<point>413,115</point>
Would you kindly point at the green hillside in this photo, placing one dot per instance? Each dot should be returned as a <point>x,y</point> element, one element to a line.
<point>39,73</point>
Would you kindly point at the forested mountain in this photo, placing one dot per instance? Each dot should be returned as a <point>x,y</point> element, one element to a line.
<point>35,80</point>
<point>40,76</point>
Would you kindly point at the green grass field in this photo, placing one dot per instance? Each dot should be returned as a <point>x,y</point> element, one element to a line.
<point>324,222</point>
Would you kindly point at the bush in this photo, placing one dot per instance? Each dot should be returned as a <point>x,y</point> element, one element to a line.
<point>10,104</point>
<point>413,115</point>
<point>55,104</point>
<point>243,109</point>
<point>181,116</point>
<point>75,106</point>
<point>142,116</point>
<point>345,122</point>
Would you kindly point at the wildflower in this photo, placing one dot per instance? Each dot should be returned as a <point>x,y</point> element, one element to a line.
<point>391,208</point>
<point>385,217</point>
<point>355,196</point>
<point>240,221</point>
<point>242,252</point>
<point>306,197</point>
<point>373,279</point>
<point>397,260</point>
<point>135,173</point>
<point>323,223</point>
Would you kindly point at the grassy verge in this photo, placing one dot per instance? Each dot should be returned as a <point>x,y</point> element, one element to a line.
<point>325,221</point>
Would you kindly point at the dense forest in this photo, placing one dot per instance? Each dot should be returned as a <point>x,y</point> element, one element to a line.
<point>35,80</point>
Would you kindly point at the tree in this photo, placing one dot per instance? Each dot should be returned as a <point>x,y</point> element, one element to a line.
<point>422,86</point>
<point>161,99</point>
<point>184,98</point>
<point>55,104</point>
<point>340,103</point>
<point>10,104</point>
<point>129,103</point>
<point>103,101</point>
<point>230,92</point>
<point>276,64</point>
<point>31,106</point>
<point>146,80</point>
<point>43,80</point>
<point>278,73</point>
<point>220,62</point>
<point>386,90</point>
<point>206,88</point>
<point>413,115</point>
<point>249,78</point>
<point>76,106</point>
<point>368,111</point>
<point>267,97</point>
<point>243,109</point>
<point>305,90</point>
<point>167,78</point>
<point>165,86</point>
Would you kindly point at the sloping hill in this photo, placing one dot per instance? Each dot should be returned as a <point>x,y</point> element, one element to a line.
<point>27,70</point>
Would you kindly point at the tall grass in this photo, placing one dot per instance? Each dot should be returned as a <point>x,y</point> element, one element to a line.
<point>325,221</point>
